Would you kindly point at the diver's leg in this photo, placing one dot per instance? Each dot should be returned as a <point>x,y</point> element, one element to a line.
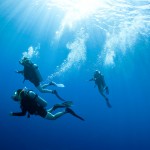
<point>106,89</point>
<point>107,100</point>
<point>45,85</point>
<point>65,104</point>
<point>108,103</point>
<point>42,90</point>
<point>50,116</point>
<point>103,94</point>
<point>51,109</point>
<point>48,84</point>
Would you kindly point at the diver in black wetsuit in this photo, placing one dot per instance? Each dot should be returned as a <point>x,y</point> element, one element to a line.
<point>33,104</point>
<point>102,87</point>
<point>31,72</point>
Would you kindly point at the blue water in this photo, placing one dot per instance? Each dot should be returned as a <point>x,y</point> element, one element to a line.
<point>72,43</point>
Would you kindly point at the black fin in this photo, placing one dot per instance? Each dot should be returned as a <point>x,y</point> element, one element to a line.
<point>68,110</point>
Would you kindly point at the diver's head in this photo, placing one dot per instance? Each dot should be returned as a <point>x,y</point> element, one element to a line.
<point>16,95</point>
<point>25,60</point>
<point>97,72</point>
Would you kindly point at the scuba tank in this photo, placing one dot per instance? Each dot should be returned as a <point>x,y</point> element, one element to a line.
<point>41,101</point>
<point>37,72</point>
<point>31,71</point>
<point>34,97</point>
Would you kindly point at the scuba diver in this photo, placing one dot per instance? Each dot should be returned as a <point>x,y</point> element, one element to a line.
<point>31,72</point>
<point>33,104</point>
<point>102,87</point>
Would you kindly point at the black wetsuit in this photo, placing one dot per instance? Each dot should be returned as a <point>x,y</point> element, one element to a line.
<point>31,106</point>
<point>32,73</point>
<point>99,79</point>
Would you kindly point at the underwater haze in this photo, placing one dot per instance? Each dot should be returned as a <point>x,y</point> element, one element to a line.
<point>69,40</point>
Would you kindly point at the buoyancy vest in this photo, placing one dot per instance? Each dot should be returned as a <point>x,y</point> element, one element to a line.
<point>29,102</point>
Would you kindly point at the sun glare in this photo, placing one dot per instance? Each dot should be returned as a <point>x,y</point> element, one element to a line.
<point>116,22</point>
<point>85,7</point>
<point>76,10</point>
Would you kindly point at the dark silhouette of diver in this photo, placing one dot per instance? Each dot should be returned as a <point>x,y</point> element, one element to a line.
<point>33,104</point>
<point>102,87</point>
<point>31,72</point>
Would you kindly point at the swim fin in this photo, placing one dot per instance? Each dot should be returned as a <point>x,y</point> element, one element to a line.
<point>60,85</point>
<point>67,103</point>
<point>68,110</point>
<point>55,92</point>
<point>108,104</point>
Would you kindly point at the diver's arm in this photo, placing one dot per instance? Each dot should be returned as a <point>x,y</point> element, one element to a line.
<point>20,71</point>
<point>18,113</point>
<point>92,79</point>
<point>20,62</point>
<point>23,113</point>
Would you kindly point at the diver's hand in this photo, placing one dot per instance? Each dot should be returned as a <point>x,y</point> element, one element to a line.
<point>11,114</point>
<point>20,62</point>
<point>17,71</point>
<point>93,79</point>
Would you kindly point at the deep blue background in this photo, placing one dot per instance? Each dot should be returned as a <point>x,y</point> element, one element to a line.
<point>125,126</point>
